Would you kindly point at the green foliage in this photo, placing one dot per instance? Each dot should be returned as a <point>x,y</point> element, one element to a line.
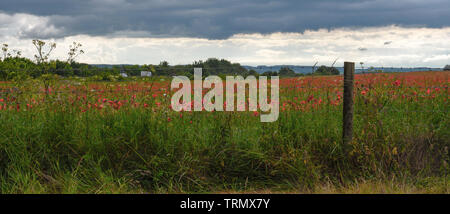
<point>270,73</point>
<point>252,72</point>
<point>287,72</point>
<point>213,66</point>
<point>17,67</point>
<point>57,148</point>
<point>325,70</point>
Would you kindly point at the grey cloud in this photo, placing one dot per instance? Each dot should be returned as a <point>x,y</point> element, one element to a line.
<point>215,19</point>
<point>25,25</point>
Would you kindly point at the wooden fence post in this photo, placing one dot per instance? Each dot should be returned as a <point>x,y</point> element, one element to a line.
<point>349,71</point>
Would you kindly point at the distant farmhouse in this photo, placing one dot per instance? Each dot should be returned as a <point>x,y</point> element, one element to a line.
<point>143,74</point>
<point>146,74</point>
<point>447,68</point>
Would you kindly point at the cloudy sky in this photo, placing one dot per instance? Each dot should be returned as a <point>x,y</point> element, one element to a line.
<point>253,32</point>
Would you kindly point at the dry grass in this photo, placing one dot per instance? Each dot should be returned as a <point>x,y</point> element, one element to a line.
<point>435,186</point>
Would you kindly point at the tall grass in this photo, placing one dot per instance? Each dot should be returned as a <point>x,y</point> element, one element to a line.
<point>64,144</point>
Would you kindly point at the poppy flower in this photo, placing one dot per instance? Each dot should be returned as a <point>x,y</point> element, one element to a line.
<point>396,83</point>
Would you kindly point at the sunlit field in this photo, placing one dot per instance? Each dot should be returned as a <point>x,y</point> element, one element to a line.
<point>79,136</point>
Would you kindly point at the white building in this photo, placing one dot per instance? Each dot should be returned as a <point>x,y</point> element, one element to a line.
<point>146,74</point>
<point>123,74</point>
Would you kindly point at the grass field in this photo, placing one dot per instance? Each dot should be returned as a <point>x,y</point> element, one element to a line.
<point>121,137</point>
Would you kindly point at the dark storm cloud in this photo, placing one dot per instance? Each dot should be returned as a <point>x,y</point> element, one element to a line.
<point>216,19</point>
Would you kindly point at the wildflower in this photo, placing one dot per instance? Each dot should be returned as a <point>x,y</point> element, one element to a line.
<point>363,92</point>
<point>255,113</point>
<point>168,119</point>
<point>396,83</point>
<point>1,100</point>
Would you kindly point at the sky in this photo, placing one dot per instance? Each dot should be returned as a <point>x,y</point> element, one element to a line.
<point>407,33</point>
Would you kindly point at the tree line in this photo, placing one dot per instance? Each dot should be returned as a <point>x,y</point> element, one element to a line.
<point>14,66</point>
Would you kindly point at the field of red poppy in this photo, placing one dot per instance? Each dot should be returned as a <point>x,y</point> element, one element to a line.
<point>78,136</point>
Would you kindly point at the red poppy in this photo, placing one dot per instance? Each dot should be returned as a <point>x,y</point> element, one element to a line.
<point>396,83</point>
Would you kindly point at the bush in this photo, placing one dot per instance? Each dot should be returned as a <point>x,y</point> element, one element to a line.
<point>325,70</point>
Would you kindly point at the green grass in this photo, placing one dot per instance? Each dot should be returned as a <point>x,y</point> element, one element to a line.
<point>55,148</point>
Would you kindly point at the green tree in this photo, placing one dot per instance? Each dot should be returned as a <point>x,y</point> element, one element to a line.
<point>286,71</point>
<point>325,70</point>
